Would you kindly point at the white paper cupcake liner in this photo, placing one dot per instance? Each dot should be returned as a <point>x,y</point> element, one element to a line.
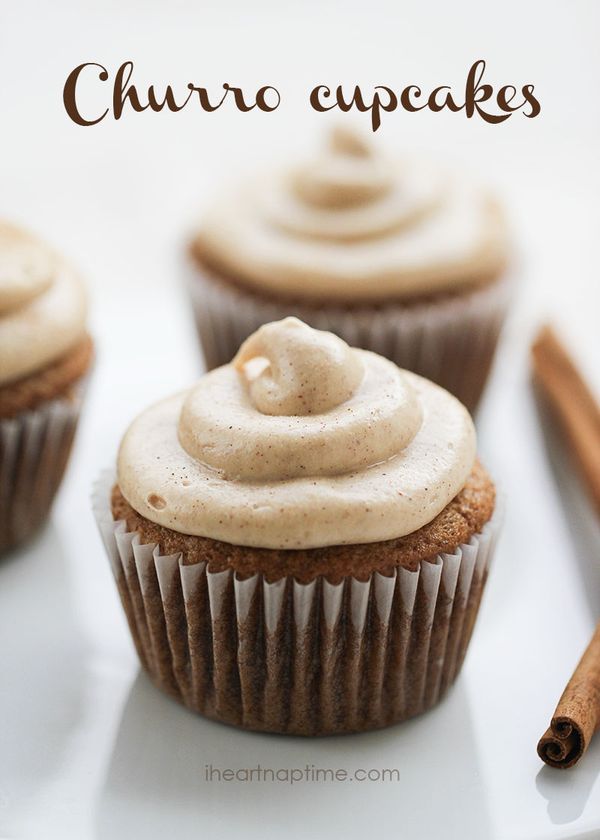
<point>34,451</point>
<point>450,340</point>
<point>310,659</point>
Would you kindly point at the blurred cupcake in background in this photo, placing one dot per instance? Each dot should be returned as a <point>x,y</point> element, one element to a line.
<point>45,353</point>
<point>395,256</point>
<point>301,540</point>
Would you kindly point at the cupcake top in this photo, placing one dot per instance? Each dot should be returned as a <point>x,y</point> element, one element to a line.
<point>353,225</point>
<point>42,305</point>
<point>300,442</point>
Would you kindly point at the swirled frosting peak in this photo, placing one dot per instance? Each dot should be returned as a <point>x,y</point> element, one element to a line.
<point>291,369</point>
<point>300,442</point>
<point>353,224</point>
<point>42,304</point>
<point>347,174</point>
<point>312,410</point>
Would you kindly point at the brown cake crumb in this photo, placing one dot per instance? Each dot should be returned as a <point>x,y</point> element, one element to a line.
<point>55,380</point>
<point>463,517</point>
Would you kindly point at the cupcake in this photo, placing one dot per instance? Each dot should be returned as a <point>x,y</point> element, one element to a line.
<point>394,256</point>
<point>45,353</point>
<point>301,540</point>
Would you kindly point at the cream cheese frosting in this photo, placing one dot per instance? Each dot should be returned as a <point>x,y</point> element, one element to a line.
<point>352,225</point>
<point>42,305</point>
<point>300,442</point>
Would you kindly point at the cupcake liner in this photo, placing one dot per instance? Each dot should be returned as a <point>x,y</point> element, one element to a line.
<point>450,340</point>
<point>308,659</point>
<point>34,450</point>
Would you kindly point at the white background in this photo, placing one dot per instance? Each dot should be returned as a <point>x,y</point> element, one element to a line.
<point>87,748</point>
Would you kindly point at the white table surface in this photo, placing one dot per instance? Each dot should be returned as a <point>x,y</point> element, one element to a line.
<point>88,748</point>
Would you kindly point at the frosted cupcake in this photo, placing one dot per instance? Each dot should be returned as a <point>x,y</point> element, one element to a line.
<point>45,353</point>
<point>395,256</point>
<point>301,540</point>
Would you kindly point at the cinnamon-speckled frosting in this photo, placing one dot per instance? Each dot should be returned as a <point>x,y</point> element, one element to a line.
<point>300,442</point>
<point>42,304</point>
<point>352,225</point>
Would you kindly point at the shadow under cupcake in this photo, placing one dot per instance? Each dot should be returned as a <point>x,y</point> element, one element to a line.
<point>394,256</point>
<point>301,541</point>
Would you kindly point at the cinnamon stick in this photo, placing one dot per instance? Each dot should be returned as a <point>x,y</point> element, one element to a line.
<point>573,404</point>
<point>577,715</point>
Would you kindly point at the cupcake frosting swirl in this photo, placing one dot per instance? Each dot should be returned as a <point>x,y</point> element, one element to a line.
<point>300,442</point>
<point>354,225</point>
<point>42,305</point>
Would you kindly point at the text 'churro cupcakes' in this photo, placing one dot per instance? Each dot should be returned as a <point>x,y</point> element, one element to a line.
<point>45,353</point>
<point>301,540</point>
<point>398,256</point>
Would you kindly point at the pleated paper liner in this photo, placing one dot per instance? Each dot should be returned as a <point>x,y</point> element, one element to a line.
<point>306,659</point>
<point>450,340</point>
<point>34,451</point>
